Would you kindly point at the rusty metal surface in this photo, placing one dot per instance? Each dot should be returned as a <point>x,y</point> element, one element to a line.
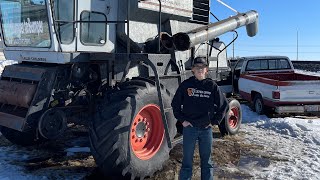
<point>16,93</point>
<point>11,121</point>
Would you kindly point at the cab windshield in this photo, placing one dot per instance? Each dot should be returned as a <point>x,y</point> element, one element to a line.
<point>25,23</point>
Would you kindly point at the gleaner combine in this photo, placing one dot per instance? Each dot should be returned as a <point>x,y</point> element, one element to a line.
<point>115,62</point>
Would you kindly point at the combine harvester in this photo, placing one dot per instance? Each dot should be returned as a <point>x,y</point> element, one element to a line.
<point>119,62</point>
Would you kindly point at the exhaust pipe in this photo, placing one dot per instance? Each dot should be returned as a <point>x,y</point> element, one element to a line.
<point>184,41</point>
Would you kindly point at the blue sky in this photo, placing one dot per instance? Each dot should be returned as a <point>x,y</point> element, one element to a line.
<point>279,22</point>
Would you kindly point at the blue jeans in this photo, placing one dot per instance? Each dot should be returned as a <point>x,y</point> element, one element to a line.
<point>204,137</point>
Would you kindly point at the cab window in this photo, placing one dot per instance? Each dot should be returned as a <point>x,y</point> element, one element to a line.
<point>64,20</point>
<point>93,33</point>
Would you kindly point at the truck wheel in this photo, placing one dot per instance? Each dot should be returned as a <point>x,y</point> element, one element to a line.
<point>20,138</point>
<point>127,134</point>
<point>230,125</point>
<point>258,106</point>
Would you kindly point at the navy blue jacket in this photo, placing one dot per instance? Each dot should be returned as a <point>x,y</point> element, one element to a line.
<point>199,102</point>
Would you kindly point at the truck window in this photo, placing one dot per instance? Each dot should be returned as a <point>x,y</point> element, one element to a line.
<point>65,29</point>
<point>284,64</point>
<point>272,64</point>
<point>253,65</point>
<point>264,64</point>
<point>93,33</point>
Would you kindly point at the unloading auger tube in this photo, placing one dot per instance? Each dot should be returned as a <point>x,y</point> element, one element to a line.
<point>184,41</point>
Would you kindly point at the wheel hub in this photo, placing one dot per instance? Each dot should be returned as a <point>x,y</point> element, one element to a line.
<point>147,132</point>
<point>233,117</point>
<point>141,129</point>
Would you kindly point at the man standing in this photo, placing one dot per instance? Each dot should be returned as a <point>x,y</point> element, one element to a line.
<point>197,103</point>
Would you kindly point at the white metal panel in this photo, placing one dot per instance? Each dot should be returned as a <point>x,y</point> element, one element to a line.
<point>301,91</point>
<point>175,7</point>
<point>33,56</point>
<point>222,61</point>
<point>265,90</point>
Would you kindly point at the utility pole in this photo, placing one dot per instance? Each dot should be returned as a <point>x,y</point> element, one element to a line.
<point>297,45</point>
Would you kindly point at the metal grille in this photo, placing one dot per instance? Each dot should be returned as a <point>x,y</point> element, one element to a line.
<point>201,9</point>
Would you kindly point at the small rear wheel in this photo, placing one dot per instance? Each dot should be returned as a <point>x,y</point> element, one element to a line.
<point>230,125</point>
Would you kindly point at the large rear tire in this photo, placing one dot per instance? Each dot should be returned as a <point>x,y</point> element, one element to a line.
<point>231,123</point>
<point>127,134</point>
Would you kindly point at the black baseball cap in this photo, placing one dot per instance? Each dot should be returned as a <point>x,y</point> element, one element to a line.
<point>200,60</point>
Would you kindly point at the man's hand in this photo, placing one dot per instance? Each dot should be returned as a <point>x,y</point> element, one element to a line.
<point>186,124</point>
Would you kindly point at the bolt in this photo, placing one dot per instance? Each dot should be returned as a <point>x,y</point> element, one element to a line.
<point>135,124</point>
<point>133,137</point>
<point>132,130</point>
<point>139,120</point>
<point>140,140</point>
<point>136,140</point>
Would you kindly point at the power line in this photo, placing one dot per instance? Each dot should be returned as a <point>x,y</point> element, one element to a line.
<point>315,52</point>
<point>258,45</point>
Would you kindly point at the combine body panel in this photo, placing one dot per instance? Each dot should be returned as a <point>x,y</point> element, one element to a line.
<point>117,61</point>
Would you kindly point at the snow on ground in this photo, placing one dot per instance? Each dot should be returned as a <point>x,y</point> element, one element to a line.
<point>307,72</point>
<point>6,63</point>
<point>76,149</point>
<point>293,141</point>
<point>13,157</point>
<point>9,171</point>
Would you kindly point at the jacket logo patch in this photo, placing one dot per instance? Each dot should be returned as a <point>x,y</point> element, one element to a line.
<point>190,91</point>
<point>198,93</point>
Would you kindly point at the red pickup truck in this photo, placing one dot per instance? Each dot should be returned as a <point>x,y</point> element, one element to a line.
<point>271,82</point>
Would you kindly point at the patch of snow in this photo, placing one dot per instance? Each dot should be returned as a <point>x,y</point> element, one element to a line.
<point>73,150</point>
<point>6,63</point>
<point>293,141</point>
<point>307,72</point>
<point>10,171</point>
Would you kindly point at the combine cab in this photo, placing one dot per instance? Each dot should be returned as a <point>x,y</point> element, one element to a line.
<point>117,61</point>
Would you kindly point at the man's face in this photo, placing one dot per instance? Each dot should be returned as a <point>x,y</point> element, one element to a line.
<point>200,71</point>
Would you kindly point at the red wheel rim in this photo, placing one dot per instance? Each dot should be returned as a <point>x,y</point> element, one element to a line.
<point>147,132</point>
<point>233,117</point>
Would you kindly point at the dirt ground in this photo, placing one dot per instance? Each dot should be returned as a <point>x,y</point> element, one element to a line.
<point>51,159</point>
